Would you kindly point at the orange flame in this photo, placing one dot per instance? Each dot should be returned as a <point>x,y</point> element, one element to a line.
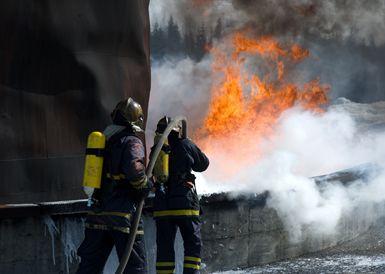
<point>246,105</point>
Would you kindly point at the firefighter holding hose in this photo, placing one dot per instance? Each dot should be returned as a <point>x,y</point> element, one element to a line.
<point>176,203</point>
<point>123,184</point>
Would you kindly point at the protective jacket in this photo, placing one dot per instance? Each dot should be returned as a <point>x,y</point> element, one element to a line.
<point>178,197</point>
<point>123,183</point>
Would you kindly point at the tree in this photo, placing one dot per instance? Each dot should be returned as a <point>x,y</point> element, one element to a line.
<point>218,30</point>
<point>209,39</point>
<point>200,43</point>
<point>157,42</point>
<point>188,38</point>
<point>189,44</point>
<point>174,40</point>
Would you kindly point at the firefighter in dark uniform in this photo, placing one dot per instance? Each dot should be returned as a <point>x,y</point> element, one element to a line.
<point>176,203</point>
<point>123,184</point>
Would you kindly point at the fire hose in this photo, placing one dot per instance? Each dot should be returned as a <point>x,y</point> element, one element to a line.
<point>138,212</point>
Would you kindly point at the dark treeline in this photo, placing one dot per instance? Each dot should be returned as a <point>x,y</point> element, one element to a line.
<point>191,41</point>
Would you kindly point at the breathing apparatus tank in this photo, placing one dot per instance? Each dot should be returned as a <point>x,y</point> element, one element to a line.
<point>93,163</point>
<point>160,171</point>
<point>161,167</point>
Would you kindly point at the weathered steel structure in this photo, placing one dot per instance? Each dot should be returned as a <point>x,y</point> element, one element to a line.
<point>63,67</point>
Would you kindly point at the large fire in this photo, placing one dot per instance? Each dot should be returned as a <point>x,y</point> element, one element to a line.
<point>250,92</point>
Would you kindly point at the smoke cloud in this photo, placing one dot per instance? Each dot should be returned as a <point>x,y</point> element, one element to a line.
<point>351,20</point>
<point>304,144</point>
<point>347,37</point>
<point>362,22</point>
<point>180,88</point>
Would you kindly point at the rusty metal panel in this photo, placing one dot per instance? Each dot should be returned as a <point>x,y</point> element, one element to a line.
<point>63,67</point>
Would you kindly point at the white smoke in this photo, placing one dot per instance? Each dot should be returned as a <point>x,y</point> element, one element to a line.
<point>305,144</point>
<point>179,88</point>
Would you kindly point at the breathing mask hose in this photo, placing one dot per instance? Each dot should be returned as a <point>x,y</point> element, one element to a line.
<point>139,208</point>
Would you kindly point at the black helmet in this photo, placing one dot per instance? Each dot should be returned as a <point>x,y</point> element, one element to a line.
<point>164,122</point>
<point>128,112</point>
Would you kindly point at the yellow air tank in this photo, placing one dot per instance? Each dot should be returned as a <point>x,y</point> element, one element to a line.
<point>94,162</point>
<point>161,165</point>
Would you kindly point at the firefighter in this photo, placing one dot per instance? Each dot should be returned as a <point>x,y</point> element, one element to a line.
<point>123,184</point>
<point>176,203</point>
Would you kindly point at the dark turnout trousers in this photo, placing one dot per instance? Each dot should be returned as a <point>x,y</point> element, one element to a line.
<point>190,229</point>
<point>97,246</point>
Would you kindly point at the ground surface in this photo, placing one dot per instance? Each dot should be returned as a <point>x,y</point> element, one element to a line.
<point>365,254</point>
<point>338,263</point>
